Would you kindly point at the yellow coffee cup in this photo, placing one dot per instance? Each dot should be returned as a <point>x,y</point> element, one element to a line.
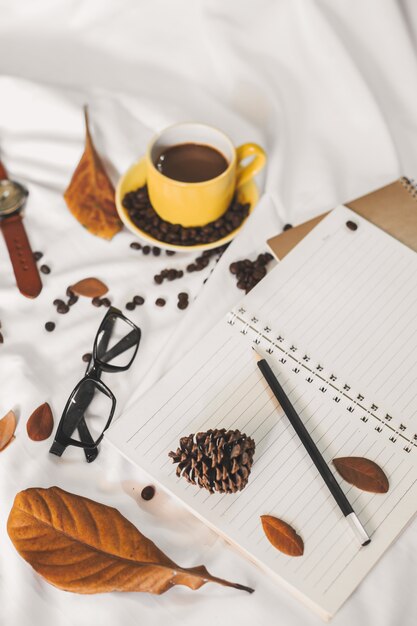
<point>198,203</point>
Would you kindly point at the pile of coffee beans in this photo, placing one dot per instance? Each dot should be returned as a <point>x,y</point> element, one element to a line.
<point>142,214</point>
<point>100,302</point>
<point>183,301</point>
<point>136,301</point>
<point>168,274</point>
<point>248,273</point>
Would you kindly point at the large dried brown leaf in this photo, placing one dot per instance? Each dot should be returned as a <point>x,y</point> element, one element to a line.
<point>7,428</point>
<point>90,194</point>
<point>82,546</point>
<point>362,473</point>
<point>41,423</point>
<point>282,536</point>
<point>90,287</point>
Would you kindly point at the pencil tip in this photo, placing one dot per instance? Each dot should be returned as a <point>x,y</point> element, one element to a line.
<point>257,355</point>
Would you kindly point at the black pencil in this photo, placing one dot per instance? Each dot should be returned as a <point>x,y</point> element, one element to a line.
<point>312,450</point>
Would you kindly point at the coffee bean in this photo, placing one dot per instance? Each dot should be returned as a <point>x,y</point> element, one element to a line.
<point>135,245</point>
<point>156,251</point>
<point>138,300</point>
<point>287,227</point>
<point>57,302</point>
<point>105,302</point>
<point>172,274</point>
<point>130,306</point>
<point>1,338</point>
<point>87,357</point>
<point>45,269</point>
<point>50,326</point>
<point>191,268</point>
<point>62,308</point>
<point>146,249</point>
<point>351,225</point>
<point>233,268</point>
<point>72,300</point>
<point>183,295</point>
<point>96,301</point>
<point>37,255</point>
<point>69,292</point>
<point>182,304</point>
<point>158,279</point>
<point>148,492</point>
<point>160,302</point>
<point>170,252</point>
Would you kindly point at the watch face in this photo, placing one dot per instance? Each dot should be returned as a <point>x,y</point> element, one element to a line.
<point>12,197</point>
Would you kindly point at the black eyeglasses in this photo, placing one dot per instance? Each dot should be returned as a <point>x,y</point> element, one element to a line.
<point>92,402</point>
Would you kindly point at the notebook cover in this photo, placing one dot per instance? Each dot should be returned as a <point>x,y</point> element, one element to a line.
<point>392,208</point>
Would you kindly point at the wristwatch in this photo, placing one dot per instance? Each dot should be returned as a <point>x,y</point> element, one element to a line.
<point>13,197</point>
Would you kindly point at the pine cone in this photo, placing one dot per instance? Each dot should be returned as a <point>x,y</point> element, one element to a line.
<point>217,460</point>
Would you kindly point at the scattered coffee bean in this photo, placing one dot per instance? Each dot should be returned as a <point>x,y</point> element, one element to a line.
<point>351,225</point>
<point>96,301</point>
<point>183,296</point>
<point>169,274</point>
<point>49,326</point>
<point>191,268</point>
<point>170,252</point>
<point>248,273</point>
<point>62,308</point>
<point>148,492</point>
<point>158,279</point>
<point>1,338</point>
<point>138,300</point>
<point>146,249</point>
<point>144,216</point>
<point>156,251</point>
<point>287,227</point>
<point>37,255</point>
<point>45,269</point>
<point>130,306</point>
<point>57,302</point>
<point>135,245</point>
<point>72,300</point>
<point>87,357</point>
<point>160,302</point>
<point>105,302</point>
<point>182,304</point>
<point>69,292</point>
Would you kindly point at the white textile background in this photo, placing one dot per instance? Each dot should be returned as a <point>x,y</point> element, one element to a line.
<point>329,89</point>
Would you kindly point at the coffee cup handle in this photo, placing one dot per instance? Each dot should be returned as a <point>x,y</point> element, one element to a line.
<point>246,172</point>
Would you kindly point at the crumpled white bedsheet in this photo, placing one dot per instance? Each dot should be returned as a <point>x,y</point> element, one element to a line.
<point>329,89</point>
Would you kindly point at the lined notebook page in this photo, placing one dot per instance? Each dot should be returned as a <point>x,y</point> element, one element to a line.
<point>219,385</point>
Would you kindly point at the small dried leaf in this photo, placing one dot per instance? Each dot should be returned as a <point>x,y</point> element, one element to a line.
<point>90,288</point>
<point>82,546</point>
<point>362,473</point>
<point>41,423</point>
<point>7,428</point>
<point>282,536</point>
<point>90,194</point>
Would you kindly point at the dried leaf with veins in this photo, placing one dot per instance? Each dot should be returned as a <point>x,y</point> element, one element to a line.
<point>362,473</point>
<point>7,428</point>
<point>41,423</point>
<point>90,287</point>
<point>282,536</point>
<point>90,194</point>
<point>83,546</point>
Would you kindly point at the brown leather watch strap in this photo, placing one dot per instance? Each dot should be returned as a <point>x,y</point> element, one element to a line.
<point>21,256</point>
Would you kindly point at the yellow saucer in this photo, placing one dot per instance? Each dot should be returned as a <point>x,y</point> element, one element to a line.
<point>136,177</point>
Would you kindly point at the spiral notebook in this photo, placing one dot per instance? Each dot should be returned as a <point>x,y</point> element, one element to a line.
<point>336,319</point>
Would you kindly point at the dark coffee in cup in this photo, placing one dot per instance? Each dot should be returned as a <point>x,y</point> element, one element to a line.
<point>191,162</point>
